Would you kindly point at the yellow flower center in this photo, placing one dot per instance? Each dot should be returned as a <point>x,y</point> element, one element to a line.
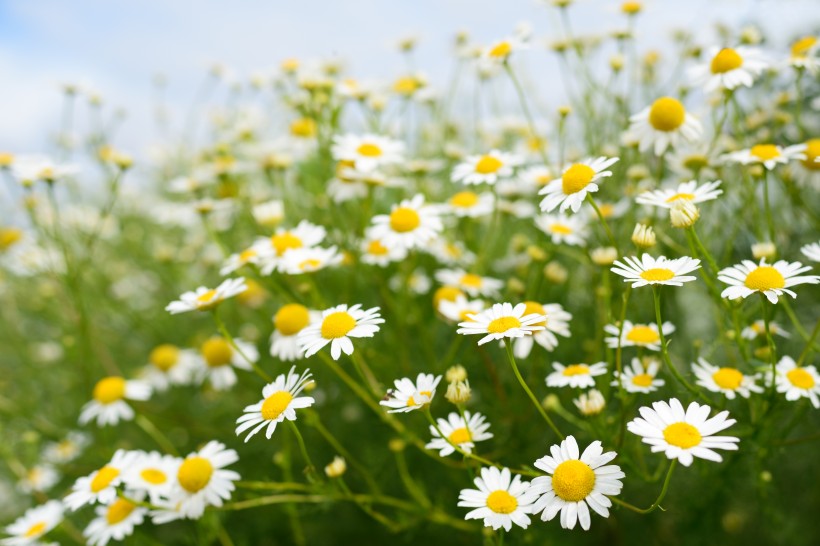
<point>631,8</point>
<point>406,85</point>
<point>217,352</point>
<point>576,178</point>
<point>576,369</point>
<point>247,255</point>
<point>412,402</point>
<point>500,50</point>
<point>695,162</point>
<point>194,473</point>
<point>501,325</point>
<point>464,199</point>
<point>460,436</point>
<point>303,128</point>
<point>449,293</point>
<point>642,380</point>
<point>404,219</point>
<point>657,274</point>
<point>164,356</point>
<point>470,279</point>
<point>337,325</point>
<point>642,334</point>
<point>681,197</point>
<point>727,59</point>
<point>561,229</point>
<point>275,404</point>
<point>9,236</point>
<point>501,502</point>
<point>666,114</point>
<point>291,318</point>
<point>533,307</point>
<point>369,150</point>
<point>376,248</point>
<point>285,241</point>
<point>488,165</point>
<point>812,153</point>
<point>205,299</point>
<point>154,476</point>
<point>606,209</point>
<point>765,152</point>
<point>573,480</point>
<point>103,478</point>
<point>765,278</point>
<point>800,378</point>
<point>118,511</point>
<point>728,378</point>
<point>36,530</point>
<point>802,46</point>
<point>310,263</point>
<point>109,390</point>
<point>682,435</point>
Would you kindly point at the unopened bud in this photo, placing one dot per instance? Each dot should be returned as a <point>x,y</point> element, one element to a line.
<point>605,255</point>
<point>551,402</point>
<point>683,214</point>
<point>556,273</point>
<point>396,444</point>
<point>764,250</point>
<point>591,403</point>
<point>455,373</point>
<point>336,468</point>
<point>458,392</point>
<point>643,236</point>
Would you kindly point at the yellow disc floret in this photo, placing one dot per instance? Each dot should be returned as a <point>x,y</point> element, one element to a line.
<point>195,473</point>
<point>217,352</point>
<point>164,356</point>
<point>657,274</point>
<point>501,325</point>
<point>573,480</point>
<point>666,114</point>
<point>404,219</point>
<point>501,502</point>
<point>118,511</point>
<point>682,435</point>
<point>290,319</point>
<point>765,278</point>
<point>109,389</point>
<point>576,178</point>
<point>726,60</point>
<point>728,378</point>
<point>275,404</point>
<point>337,325</point>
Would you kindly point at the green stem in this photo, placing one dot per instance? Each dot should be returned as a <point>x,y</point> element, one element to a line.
<point>311,469</point>
<point>523,383</point>
<point>769,340</point>
<point>227,335</point>
<point>767,205</point>
<point>658,501</point>
<point>664,352</point>
<point>609,234</point>
<point>155,433</point>
<point>527,114</point>
<point>809,344</point>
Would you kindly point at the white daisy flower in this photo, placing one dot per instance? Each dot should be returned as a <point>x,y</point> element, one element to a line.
<point>663,124</point>
<point>807,171</point>
<point>469,204</point>
<point>253,255</point>
<point>409,396</point>
<point>450,252</point>
<point>590,403</point>
<point>557,322</point>
<point>115,521</point>
<point>488,168</point>
<point>639,377</point>
<point>375,252</point>
<point>576,483</point>
<point>796,381</point>
<point>460,309</point>
<point>769,155</point>
<point>729,68</point>
<point>101,485</point>
<point>683,434</point>
<point>811,251</point>
<point>500,50</point>
<point>500,499</point>
<point>108,406</point>
<point>309,260</point>
<point>169,365</point>
<point>651,271</point>
<point>39,478</point>
<point>367,151</point>
<point>203,298</point>
<point>578,180</point>
<point>410,224</point>
<point>686,191</point>
<point>35,168</point>
<point>803,54</point>
<point>772,280</point>
<point>460,431</point>
<point>417,282</point>
<point>502,321</point>
<point>758,329</point>
<point>34,524</point>
<point>351,183</point>
<point>67,449</point>
<point>563,228</point>
<point>529,181</point>
<point>637,335</point>
<point>470,283</point>
<point>280,401</point>
<point>220,358</point>
<point>728,381</point>
<point>577,376</point>
<point>336,326</point>
<point>271,249</point>
<point>152,473</point>
<point>288,321</point>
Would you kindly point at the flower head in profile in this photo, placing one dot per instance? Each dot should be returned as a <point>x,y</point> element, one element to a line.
<point>375,252</point>
<point>502,321</point>
<point>288,322</point>
<point>727,381</point>
<point>685,191</point>
<point>368,152</point>
<point>151,473</point>
<point>34,524</point>
<point>649,271</point>
<point>108,405</point>
<point>271,251</point>
<point>640,376</point>
<point>500,499</point>
<point>409,396</point>
<point>169,365</point>
<point>101,485</point>
<point>410,224</point>
<point>811,251</point>
<point>205,299</point>
<point>771,280</point>
<point>280,400</point>
<point>664,124</point>
<point>795,381</point>
<point>469,204</point>
<point>768,155</point>
<point>646,336</point>
<point>485,169</point>
<point>758,330</point>
<point>219,357</point>
<point>115,520</point>
<point>557,322</point>
<point>460,431</point>
<point>577,180</point>
<point>469,283</point>
<point>336,326</point>
<point>729,68</point>
<point>562,228</point>
<point>579,376</point>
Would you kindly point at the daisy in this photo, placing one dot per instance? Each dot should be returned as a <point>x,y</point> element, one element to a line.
<point>578,376</point>
<point>252,255</point>
<point>663,124</point>
<point>169,365</point>
<point>576,483</point>
<point>272,249</point>
<point>651,271</point>
<point>309,260</point>
<point>279,402</point>
<point>220,358</point>
<point>30,169</point>
<point>590,403</point>
<point>367,151</point>
<point>204,299</point>
<point>758,329</point>
<point>488,168</point>
<point>500,499</point>
<point>469,204</point>
<point>288,321</point>
<point>350,183</point>
<point>67,449</point>
<point>803,54</point>
<point>686,191</point>
<point>563,228</point>
<point>795,381</point>
<point>375,252</point>
<point>811,251</point>
<point>528,181</point>
<point>502,321</point>
<point>460,309</point>
<point>683,434</point>
<point>639,377</point>
<point>460,431</point>
<point>729,381</point>
<point>807,171</point>
<point>409,396</point>
<point>470,283</point>
<point>637,335</point>
<point>336,326</point>
<point>201,481</point>
<point>557,322</point>
<point>578,180</point>
<point>108,405</point>
<point>36,522</point>
<point>410,224</point>
<point>500,51</point>
<point>772,280</point>
<point>114,522</point>
<point>152,473</point>
<point>693,162</point>
<point>729,68</point>
<point>101,485</point>
<point>769,155</point>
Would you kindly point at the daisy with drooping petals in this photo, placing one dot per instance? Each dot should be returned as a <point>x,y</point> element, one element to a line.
<point>220,358</point>
<point>502,321</point>
<point>115,521</point>
<point>578,180</point>
<point>796,381</point>
<point>729,68</point>
<point>252,255</point>
<point>375,252</point>
<point>686,191</point>
<point>201,481</point>
<point>577,376</point>
<point>101,485</point>
<point>811,251</point>
<point>368,152</point>
<point>336,326</point>
<point>683,434</point>
<point>500,499</point>
<point>758,329</point>
<point>576,482</point>
<point>488,168</point>
<point>460,309</point>
<point>640,377</point>
<point>649,270</point>
<point>169,365</point>
<point>557,322</point>
<point>409,396</point>
<point>768,155</point>
<point>728,381</point>
<point>152,473</point>
<point>309,260</point>
<point>204,299</point>
<point>36,522</point>
<point>563,228</point>
<point>469,204</point>
<point>288,322</point>
<point>663,124</point>
<point>470,283</point>
<point>280,401</point>
<point>410,224</point>
<point>637,335</point>
<point>108,405</point>
<point>460,431</point>
<point>772,280</point>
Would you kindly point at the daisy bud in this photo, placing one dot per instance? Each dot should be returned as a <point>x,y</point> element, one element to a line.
<point>336,468</point>
<point>556,273</point>
<point>516,286</point>
<point>536,253</point>
<point>269,213</point>
<point>604,255</point>
<point>591,403</point>
<point>643,236</point>
<point>458,392</point>
<point>762,353</point>
<point>636,173</point>
<point>764,250</point>
<point>122,161</point>
<point>564,111</point>
<point>616,63</point>
<point>455,373</point>
<point>6,160</point>
<point>684,214</point>
<point>396,445</point>
<point>551,403</point>
<point>766,476</point>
